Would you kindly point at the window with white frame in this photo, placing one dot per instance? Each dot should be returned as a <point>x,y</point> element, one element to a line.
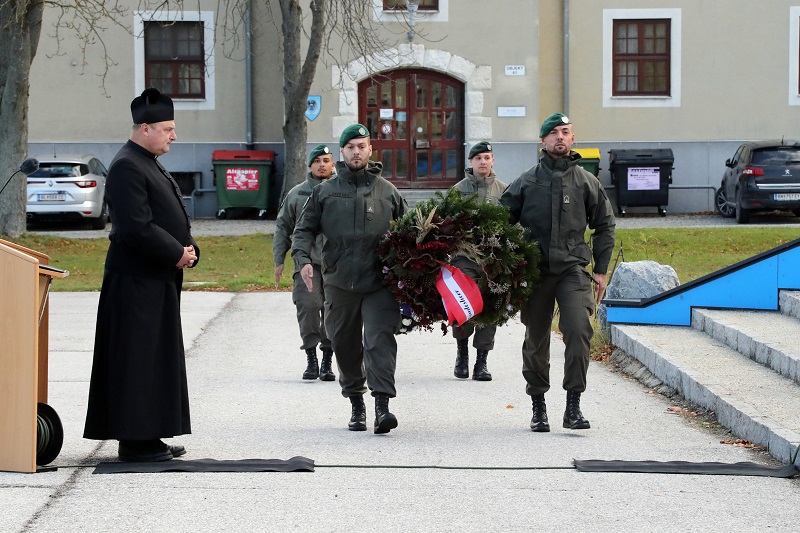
<point>641,57</point>
<point>174,61</point>
<point>174,52</point>
<point>424,5</point>
<point>429,10</point>
<point>794,55</point>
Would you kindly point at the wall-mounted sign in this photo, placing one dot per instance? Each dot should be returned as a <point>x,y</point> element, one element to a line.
<point>387,114</point>
<point>511,111</point>
<point>313,107</point>
<point>515,70</point>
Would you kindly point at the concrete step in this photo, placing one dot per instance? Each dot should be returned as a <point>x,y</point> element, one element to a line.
<point>767,337</point>
<point>413,196</point>
<point>789,303</point>
<point>750,399</point>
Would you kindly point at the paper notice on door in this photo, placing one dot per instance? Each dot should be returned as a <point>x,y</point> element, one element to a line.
<point>643,179</point>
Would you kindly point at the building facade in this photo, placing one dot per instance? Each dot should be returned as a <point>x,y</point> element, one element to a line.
<point>631,74</point>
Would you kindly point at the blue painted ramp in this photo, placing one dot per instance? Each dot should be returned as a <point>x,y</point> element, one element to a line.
<point>750,284</point>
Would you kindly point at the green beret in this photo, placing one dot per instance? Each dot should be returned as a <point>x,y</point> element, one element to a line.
<point>556,119</point>
<point>480,148</point>
<point>353,131</point>
<point>318,150</point>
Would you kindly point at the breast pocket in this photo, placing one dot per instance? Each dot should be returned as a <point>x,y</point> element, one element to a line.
<point>378,213</point>
<point>369,210</point>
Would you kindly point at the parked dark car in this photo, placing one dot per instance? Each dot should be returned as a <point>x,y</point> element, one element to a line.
<point>761,176</point>
<point>68,187</point>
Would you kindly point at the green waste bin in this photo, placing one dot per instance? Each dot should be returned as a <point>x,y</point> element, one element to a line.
<point>242,178</point>
<point>590,160</point>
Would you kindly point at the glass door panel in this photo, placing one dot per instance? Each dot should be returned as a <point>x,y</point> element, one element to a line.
<point>402,162</point>
<point>386,159</point>
<point>437,125</point>
<point>400,96</point>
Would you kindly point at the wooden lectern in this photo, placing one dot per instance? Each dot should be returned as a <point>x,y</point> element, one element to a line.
<point>30,431</point>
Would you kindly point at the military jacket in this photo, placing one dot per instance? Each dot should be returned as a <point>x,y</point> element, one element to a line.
<point>353,212</point>
<point>488,190</point>
<point>288,215</point>
<point>557,200</point>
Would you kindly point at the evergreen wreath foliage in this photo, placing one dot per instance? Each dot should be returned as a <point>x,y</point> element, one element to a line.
<point>448,226</point>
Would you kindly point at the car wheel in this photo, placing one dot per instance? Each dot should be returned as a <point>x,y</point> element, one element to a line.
<point>100,222</point>
<point>742,214</point>
<point>721,205</point>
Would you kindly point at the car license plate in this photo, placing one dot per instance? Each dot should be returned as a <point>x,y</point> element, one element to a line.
<point>58,197</point>
<point>784,197</point>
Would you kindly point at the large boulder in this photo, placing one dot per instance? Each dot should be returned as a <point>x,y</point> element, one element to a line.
<point>637,279</point>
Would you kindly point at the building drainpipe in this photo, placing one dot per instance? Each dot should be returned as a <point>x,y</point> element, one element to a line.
<point>248,69</point>
<point>566,57</point>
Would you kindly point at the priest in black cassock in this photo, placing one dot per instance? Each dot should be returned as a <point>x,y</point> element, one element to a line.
<point>138,392</point>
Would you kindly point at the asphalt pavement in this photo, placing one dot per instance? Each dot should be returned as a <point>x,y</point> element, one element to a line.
<point>462,459</point>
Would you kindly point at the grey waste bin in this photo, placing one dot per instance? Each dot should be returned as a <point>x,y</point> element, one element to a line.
<point>641,177</point>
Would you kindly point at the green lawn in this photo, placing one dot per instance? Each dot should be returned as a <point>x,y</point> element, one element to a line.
<point>241,263</point>
<point>244,263</point>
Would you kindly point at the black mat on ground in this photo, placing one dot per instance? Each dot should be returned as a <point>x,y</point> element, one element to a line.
<point>295,464</point>
<point>685,467</point>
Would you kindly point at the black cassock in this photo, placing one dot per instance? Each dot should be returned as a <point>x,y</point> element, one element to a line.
<point>138,389</point>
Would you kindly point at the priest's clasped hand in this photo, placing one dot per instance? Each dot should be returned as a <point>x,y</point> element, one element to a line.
<point>188,259</point>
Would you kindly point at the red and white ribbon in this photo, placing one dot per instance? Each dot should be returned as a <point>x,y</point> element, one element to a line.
<point>460,294</point>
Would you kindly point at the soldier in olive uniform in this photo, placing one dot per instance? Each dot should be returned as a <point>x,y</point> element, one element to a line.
<point>481,181</point>
<point>309,304</point>
<point>353,212</point>
<point>557,200</point>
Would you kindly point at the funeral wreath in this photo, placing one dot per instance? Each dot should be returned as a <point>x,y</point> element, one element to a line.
<point>450,226</point>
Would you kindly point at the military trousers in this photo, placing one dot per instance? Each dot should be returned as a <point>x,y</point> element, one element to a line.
<point>484,337</point>
<point>572,290</point>
<point>362,329</point>
<point>311,311</point>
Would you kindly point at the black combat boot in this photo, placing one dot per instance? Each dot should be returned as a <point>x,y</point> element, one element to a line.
<point>325,370</point>
<point>573,418</point>
<point>539,422</point>
<point>479,371</point>
<point>358,418</point>
<point>384,420</point>
<point>461,369</point>
<point>312,370</point>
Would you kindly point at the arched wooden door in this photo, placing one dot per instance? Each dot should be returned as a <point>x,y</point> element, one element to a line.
<point>416,123</point>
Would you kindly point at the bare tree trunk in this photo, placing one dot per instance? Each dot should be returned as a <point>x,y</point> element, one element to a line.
<point>20,27</point>
<point>298,76</point>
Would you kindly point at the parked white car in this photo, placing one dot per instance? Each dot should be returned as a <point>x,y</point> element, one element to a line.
<point>68,187</point>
